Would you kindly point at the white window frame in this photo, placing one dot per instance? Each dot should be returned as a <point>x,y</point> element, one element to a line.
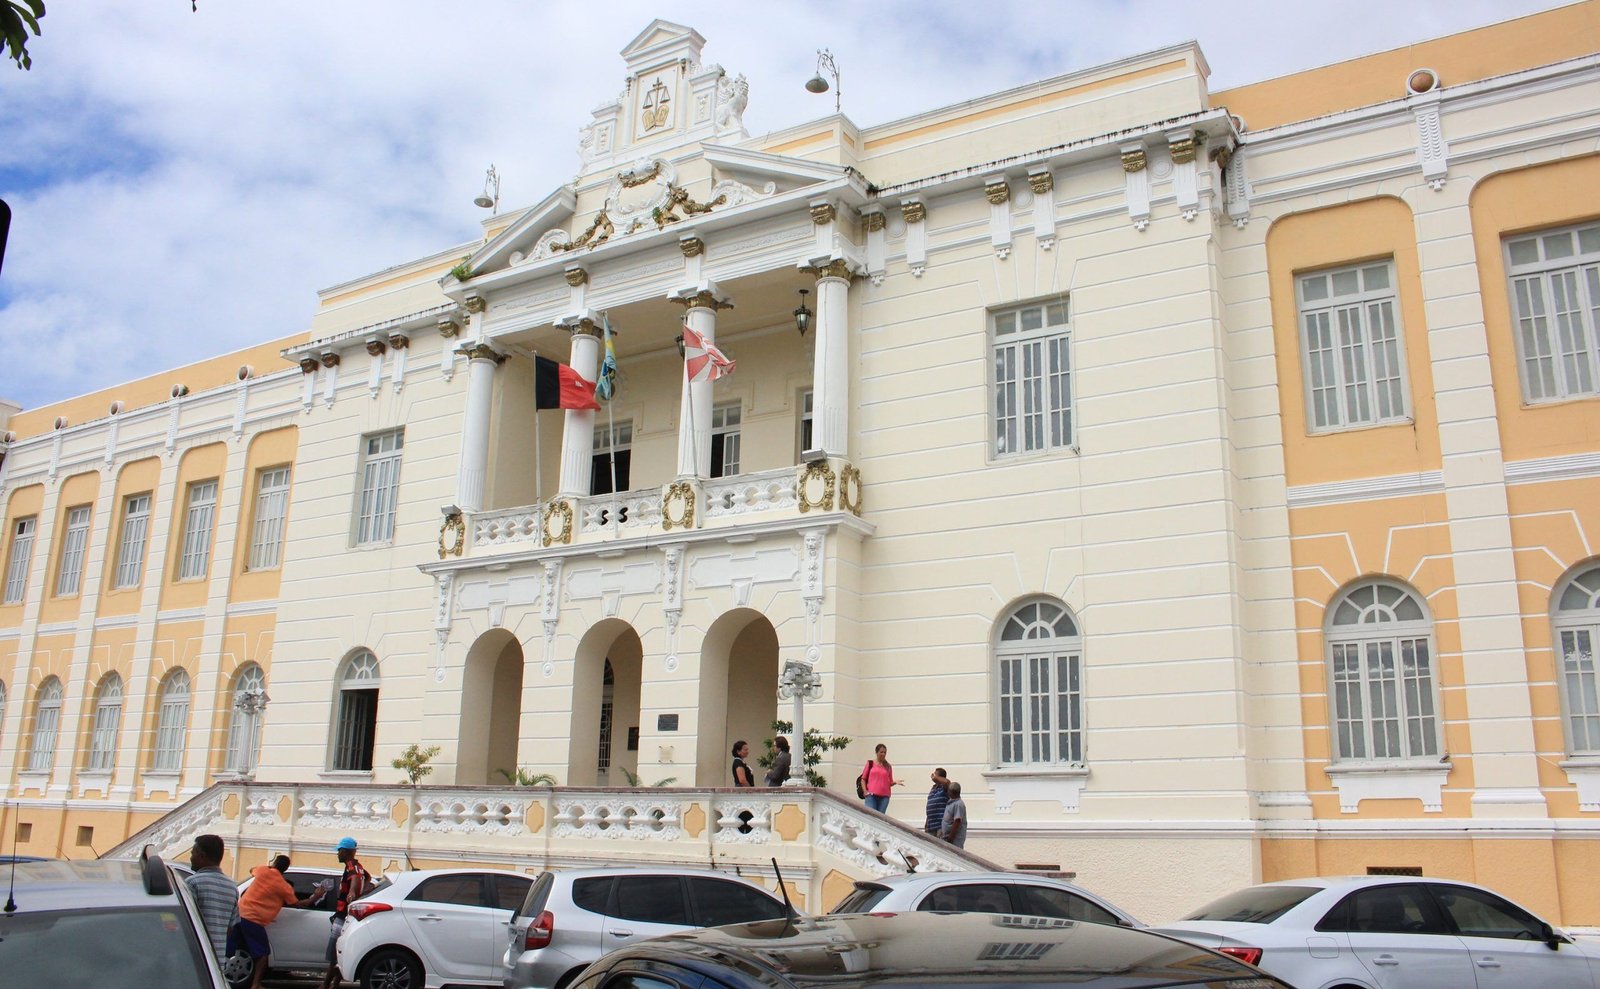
<point>727,418</point>
<point>172,723</point>
<point>1576,625</point>
<point>1032,395</point>
<point>244,724</point>
<point>358,675</point>
<point>607,442</point>
<point>377,501</point>
<point>272,512</point>
<point>46,726</point>
<point>1037,641</point>
<point>1363,633</point>
<point>1560,363</point>
<point>69,575</point>
<point>21,559</point>
<point>1362,381</point>
<point>107,721</point>
<point>130,548</point>
<point>199,517</point>
<point>806,404</point>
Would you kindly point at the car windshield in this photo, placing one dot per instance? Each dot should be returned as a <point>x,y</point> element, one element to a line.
<point>861,899</point>
<point>1256,905</point>
<point>132,947</point>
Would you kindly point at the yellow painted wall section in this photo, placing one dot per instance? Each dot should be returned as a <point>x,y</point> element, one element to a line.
<point>268,450</point>
<point>1406,539</point>
<point>1551,527</point>
<point>200,376</point>
<point>52,656</point>
<point>1510,46</point>
<point>111,652</point>
<point>1514,202</point>
<point>203,463</point>
<point>53,832</point>
<point>22,503</point>
<point>78,490</point>
<point>1370,230</point>
<point>139,477</point>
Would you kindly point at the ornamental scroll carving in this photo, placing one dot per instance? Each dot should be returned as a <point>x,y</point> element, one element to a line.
<point>679,199</point>
<point>560,511</point>
<point>452,535</point>
<point>682,495</point>
<point>850,496</point>
<point>818,471</point>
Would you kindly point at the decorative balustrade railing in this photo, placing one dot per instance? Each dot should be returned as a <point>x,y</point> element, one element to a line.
<point>627,511</point>
<point>747,494</point>
<point>512,525</point>
<point>814,833</point>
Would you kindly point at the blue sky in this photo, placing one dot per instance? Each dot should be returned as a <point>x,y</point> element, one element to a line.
<point>184,182</point>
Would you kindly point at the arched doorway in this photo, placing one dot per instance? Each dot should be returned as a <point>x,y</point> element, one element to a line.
<point>738,692</point>
<point>605,706</point>
<point>491,706</point>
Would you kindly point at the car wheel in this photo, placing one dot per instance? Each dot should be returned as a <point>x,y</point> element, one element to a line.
<point>391,968</point>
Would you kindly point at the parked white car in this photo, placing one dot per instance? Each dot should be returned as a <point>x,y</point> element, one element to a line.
<point>432,928</point>
<point>1390,932</point>
<point>1014,893</point>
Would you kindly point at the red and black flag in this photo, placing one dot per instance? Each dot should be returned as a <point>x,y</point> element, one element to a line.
<point>558,386</point>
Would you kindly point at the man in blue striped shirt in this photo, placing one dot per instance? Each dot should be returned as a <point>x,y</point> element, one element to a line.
<point>215,894</point>
<point>937,798</point>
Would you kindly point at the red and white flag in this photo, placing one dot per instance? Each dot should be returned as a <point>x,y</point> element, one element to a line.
<point>702,360</point>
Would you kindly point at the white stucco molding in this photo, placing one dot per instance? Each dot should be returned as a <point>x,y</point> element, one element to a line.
<point>1565,468</point>
<point>1064,785</point>
<point>1367,489</point>
<point>1584,773</point>
<point>1358,781</point>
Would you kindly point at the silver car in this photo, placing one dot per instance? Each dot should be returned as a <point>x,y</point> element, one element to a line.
<point>1016,893</point>
<point>571,918</point>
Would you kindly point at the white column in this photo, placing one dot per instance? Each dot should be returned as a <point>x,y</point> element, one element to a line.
<point>694,413</point>
<point>577,434</point>
<point>482,360</point>
<point>830,383</point>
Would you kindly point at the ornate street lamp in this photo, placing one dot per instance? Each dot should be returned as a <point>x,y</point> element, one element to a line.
<point>802,315</point>
<point>817,84</point>
<point>799,682</point>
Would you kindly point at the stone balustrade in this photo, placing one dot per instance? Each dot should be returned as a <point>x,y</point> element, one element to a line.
<point>822,842</point>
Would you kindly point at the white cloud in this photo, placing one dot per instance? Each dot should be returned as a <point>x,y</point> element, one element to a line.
<point>184,182</point>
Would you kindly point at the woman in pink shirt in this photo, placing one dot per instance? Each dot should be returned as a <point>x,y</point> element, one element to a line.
<point>878,777</point>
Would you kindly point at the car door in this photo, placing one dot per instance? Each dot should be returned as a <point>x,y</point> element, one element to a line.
<point>1397,934</point>
<point>645,906</point>
<point>1507,944</point>
<point>300,934</point>
<point>450,918</point>
<point>968,898</point>
<point>509,892</point>
<point>1038,900</point>
<point>718,901</point>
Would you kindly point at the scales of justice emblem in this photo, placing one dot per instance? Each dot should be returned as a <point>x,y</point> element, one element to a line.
<point>656,105</point>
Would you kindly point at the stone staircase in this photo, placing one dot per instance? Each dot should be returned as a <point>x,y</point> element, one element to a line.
<point>821,842</point>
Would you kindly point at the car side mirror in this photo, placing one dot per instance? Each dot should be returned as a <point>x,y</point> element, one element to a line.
<point>1552,939</point>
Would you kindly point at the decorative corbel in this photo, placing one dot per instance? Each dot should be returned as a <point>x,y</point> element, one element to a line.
<point>1184,147</point>
<point>376,346</point>
<point>449,326</point>
<point>998,193</point>
<point>401,345</point>
<point>915,213</point>
<point>308,365</point>
<point>1137,184</point>
<point>875,223</point>
<point>1042,183</point>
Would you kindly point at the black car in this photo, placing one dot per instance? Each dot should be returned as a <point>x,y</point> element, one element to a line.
<point>919,949</point>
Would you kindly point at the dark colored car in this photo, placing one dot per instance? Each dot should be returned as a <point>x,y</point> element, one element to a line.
<point>965,950</point>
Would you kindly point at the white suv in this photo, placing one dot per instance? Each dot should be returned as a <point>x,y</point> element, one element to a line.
<point>571,918</point>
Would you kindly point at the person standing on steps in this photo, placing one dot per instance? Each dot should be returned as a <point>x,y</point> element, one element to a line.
<point>878,777</point>
<point>938,796</point>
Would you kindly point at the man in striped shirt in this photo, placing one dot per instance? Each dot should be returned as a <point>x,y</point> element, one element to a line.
<point>215,894</point>
<point>937,798</point>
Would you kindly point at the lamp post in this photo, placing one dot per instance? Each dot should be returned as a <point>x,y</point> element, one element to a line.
<point>819,84</point>
<point>251,703</point>
<point>799,682</point>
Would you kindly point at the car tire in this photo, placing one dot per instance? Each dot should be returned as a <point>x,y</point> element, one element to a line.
<point>391,968</point>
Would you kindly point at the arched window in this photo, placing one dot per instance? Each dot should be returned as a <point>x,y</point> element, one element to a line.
<point>172,722</point>
<point>1380,656</point>
<point>356,727</point>
<point>46,722</point>
<point>1039,660</point>
<point>247,704</point>
<point>1577,629</point>
<point>107,719</point>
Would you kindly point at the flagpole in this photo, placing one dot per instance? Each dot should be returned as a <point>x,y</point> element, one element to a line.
<point>538,457</point>
<point>611,443</point>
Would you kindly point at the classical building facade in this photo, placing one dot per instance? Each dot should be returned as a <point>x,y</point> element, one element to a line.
<point>1206,479</point>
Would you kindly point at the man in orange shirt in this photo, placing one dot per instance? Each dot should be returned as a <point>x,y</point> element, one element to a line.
<point>259,906</point>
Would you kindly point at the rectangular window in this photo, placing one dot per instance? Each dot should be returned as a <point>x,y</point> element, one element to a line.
<point>130,550</point>
<point>619,441</point>
<point>380,487</point>
<point>44,737</point>
<point>358,729</point>
<point>196,557</point>
<point>1555,298</point>
<point>272,507</point>
<point>21,560</point>
<point>1032,353</point>
<point>71,573</point>
<point>725,420</point>
<point>807,420</point>
<point>1351,347</point>
<point>103,741</point>
<point>169,732</point>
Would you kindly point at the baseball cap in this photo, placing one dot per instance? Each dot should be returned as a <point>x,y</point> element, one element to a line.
<point>344,843</point>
